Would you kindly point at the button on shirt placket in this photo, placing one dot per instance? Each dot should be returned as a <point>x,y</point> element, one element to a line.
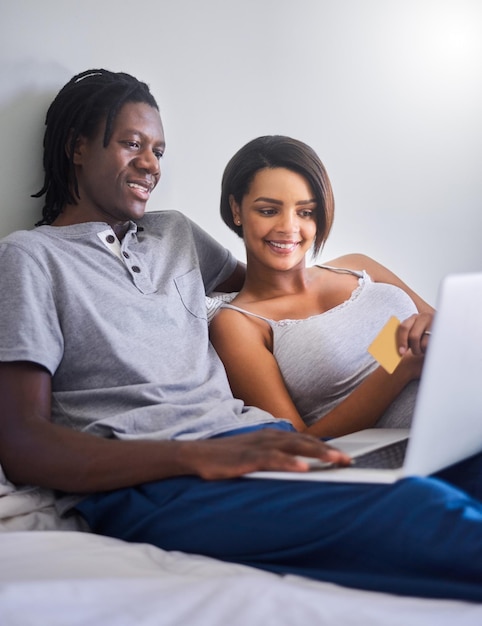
<point>140,275</point>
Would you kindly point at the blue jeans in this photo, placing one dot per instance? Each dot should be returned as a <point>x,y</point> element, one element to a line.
<point>419,536</point>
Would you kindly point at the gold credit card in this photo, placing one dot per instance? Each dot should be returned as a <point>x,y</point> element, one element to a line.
<point>384,347</point>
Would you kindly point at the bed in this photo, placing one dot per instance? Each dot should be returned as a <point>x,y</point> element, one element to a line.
<point>54,572</point>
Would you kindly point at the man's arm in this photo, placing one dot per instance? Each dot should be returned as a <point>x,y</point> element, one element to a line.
<point>35,451</point>
<point>235,281</point>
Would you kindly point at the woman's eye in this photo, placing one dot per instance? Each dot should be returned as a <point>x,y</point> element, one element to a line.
<point>158,154</point>
<point>307,213</point>
<point>267,212</point>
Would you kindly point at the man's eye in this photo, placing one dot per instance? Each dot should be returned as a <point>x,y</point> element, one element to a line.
<point>158,154</point>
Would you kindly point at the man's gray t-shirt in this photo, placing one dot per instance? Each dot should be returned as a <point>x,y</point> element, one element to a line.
<point>123,331</point>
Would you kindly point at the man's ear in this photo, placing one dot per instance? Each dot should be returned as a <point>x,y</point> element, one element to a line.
<point>77,149</point>
<point>235,210</point>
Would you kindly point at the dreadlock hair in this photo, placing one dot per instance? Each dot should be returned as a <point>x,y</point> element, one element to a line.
<point>81,105</point>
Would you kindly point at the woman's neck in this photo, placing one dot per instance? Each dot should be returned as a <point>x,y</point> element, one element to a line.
<point>264,283</point>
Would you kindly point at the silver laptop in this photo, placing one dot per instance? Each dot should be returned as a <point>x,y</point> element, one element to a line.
<point>447,421</point>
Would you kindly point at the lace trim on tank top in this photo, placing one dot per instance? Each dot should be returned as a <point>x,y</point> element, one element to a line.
<point>363,278</point>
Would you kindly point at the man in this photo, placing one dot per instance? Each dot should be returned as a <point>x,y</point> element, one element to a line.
<point>112,394</point>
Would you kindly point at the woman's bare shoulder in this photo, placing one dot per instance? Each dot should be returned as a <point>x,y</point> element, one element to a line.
<point>352,261</point>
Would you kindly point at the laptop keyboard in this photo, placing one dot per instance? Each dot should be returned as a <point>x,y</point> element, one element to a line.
<point>388,457</point>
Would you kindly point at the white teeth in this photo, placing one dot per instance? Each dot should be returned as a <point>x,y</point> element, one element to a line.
<point>284,246</point>
<point>136,186</point>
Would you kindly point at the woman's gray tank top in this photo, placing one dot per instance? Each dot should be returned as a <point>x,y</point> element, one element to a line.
<point>323,358</point>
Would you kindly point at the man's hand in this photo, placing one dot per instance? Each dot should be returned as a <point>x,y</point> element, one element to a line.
<point>267,449</point>
<point>74,461</point>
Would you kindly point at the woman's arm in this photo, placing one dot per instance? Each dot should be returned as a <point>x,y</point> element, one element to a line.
<point>379,274</point>
<point>254,376</point>
<point>242,343</point>
<point>412,331</point>
<point>369,401</point>
<point>35,451</point>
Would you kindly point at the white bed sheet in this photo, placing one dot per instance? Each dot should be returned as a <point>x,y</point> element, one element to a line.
<point>51,574</point>
<point>67,578</point>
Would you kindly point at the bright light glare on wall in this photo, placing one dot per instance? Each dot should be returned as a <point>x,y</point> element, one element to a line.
<point>445,48</point>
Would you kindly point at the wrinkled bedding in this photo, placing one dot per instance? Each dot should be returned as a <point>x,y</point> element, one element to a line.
<point>66,578</point>
<point>53,572</point>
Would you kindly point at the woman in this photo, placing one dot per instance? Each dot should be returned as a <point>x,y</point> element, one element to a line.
<point>294,340</point>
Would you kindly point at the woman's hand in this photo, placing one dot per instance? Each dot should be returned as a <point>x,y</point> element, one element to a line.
<point>410,367</point>
<point>414,333</point>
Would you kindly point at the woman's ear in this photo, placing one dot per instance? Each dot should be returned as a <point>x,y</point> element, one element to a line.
<point>235,210</point>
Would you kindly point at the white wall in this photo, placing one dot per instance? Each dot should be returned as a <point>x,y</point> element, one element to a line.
<point>389,92</point>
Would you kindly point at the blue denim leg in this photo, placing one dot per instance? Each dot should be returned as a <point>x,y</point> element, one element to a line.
<point>419,537</point>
